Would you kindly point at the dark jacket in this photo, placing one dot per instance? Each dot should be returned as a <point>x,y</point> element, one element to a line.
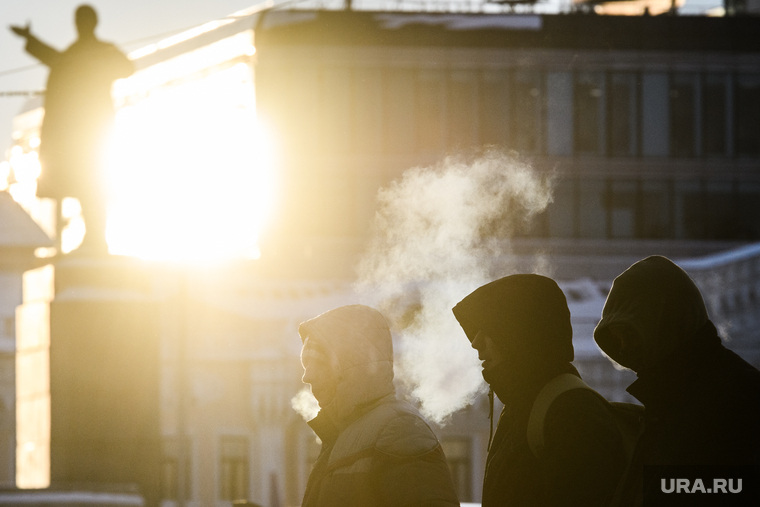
<point>702,400</point>
<point>376,450</point>
<point>583,459</point>
<point>79,112</point>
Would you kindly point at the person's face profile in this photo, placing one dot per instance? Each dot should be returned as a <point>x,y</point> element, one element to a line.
<point>629,346</point>
<point>488,352</point>
<point>319,372</point>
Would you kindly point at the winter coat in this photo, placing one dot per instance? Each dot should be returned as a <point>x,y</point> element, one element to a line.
<point>376,449</point>
<point>702,400</point>
<point>583,458</point>
<point>79,112</point>
<point>581,464</point>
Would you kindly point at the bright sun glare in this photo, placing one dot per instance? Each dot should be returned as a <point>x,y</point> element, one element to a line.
<point>190,172</point>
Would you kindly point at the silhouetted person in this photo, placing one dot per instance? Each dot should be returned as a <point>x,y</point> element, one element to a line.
<point>78,116</point>
<point>376,449</point>
<point>520,326</point>
<point>702,400</point>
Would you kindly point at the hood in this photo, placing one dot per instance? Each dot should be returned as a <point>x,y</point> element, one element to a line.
<point>360,340</point>
<point>526,315</point>
<point>658,304</point>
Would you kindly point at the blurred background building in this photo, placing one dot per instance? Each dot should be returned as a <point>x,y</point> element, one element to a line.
<point>650,124</point>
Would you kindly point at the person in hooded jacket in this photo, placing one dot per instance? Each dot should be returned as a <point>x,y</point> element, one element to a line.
<point>520,326</point>
<point>702,400</point>
<point>376,449</point>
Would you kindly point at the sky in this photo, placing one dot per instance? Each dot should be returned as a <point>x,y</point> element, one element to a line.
<point>129,24</point>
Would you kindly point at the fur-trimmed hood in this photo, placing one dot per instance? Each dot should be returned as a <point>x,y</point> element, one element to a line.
<point>360,341</point>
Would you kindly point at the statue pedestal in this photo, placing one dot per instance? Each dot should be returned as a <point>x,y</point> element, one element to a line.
<point>105,375</point>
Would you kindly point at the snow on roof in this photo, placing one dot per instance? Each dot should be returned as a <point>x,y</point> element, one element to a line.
<point>17,228</point>
<point>52,497</point>
<point>394,21</point>
<point>720,259</point>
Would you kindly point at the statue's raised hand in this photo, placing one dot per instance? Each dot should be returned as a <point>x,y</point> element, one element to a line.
<point>22,31</point>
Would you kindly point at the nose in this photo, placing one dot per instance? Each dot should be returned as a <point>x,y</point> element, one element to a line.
<point>478,343</point>
<point>309,374</point>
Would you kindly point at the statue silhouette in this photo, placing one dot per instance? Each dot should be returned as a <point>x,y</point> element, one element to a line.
<point>78,115</point>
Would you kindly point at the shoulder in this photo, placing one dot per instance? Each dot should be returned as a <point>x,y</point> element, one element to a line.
<point>581,426</point>
<point>580,417</point>
<point>93,46</point>
<point>579,405</point>
<point>405,433</point>
<point>578,401</point>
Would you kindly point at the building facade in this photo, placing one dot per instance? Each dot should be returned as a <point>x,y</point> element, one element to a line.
<point>650,121</point>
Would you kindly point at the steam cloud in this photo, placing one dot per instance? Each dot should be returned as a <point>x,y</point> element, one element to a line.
<point>305,404</point>
<point>439,233</point>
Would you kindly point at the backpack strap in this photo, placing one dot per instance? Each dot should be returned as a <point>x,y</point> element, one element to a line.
<point>550,392</point>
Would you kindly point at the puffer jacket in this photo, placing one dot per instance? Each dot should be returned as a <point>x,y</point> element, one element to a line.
<point>583,460</point>
<point>376,449</point>
<point>702,400</point>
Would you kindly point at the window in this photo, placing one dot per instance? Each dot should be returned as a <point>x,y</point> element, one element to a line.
<point>689,210</point>
<point>654,216</point>
<point>233,477</point>
<point>683,97</point>
<point>655,120</point>
<point>170,465</point>
<point>526,107</point>
<point>431,110</point>
<point>336,128</point>
<point>562,212</point>
<point>623,114</point>
<point>367,123</point>
<point>558,118</point>
<point>747,114</point>
<point>463,110</point>
<point>588,112</point>
<point>593,216</point>
<point>722,220</point>
<point>714,125</point>
<point>460,464</point>
<point>623,200</point>
<point>399,111</point>
<point>494,107</point>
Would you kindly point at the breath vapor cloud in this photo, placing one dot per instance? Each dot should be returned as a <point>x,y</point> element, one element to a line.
<point>439,233</point>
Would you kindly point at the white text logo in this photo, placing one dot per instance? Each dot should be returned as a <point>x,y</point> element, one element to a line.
<point>698,486</point>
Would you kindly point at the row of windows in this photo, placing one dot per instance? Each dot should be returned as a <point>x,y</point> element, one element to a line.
<point>234,466</point>
<point>700,114</point>
<point>233,481</point>
<point>626,114</point>
<point>652,209</point>
<point>594,208</point>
